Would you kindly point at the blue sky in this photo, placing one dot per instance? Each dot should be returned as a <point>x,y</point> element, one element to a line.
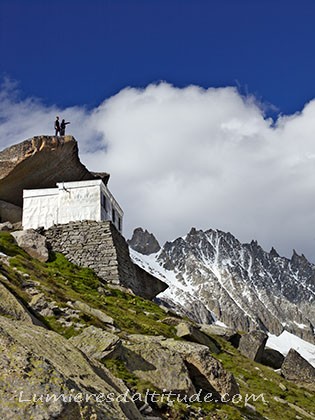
<point>174,99</point>
<point>74,52</point>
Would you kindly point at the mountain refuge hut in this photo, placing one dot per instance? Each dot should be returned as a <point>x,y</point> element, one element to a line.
<point>70,202</point>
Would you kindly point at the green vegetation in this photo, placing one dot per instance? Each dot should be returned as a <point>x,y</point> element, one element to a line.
<point>254,378</point>
<point>61,281</point>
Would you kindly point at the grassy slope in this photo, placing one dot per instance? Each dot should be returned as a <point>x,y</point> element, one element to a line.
<point>62,281</point>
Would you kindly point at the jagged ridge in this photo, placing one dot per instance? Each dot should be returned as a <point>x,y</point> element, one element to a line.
<point>241,284</point>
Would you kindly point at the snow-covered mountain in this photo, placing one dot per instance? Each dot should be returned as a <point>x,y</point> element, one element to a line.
<point>212,276</point>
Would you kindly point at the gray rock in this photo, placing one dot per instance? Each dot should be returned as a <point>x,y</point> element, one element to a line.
<point>45,307</point>
<point>171,320</point>
<point>272,358</point>
<point>143,242</point>
<point>40,162</point>
<point>191,333</point>
<point>252,345</point>
<point>37,361</point>
<point>151,361</point>
<point>296,368</point>
<point>17,226</point>
<point>6,226</point>
<point>10,306</point>
<point>100,315</point>
<point>229,334</point>
<point>97,344</point>
<point>41,305</point>
<point>33,243</point>
<point>282,387</point>
<point>205,371</point>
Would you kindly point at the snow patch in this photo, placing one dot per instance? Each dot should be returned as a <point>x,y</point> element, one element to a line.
<point>220,324</point>
<point>285,341</point>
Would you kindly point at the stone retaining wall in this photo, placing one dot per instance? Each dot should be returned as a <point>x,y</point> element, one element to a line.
<point>99,246</point>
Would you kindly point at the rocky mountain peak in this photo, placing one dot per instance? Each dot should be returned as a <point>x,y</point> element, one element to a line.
<point>297,259</point>
<point>243,285</point>
<point>144,242</point>
<point>273,253</point>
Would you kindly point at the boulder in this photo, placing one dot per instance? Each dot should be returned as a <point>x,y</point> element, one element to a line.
<point>5,227</point>
<point>41,305</point>
<point>37,362</point>
<point>17,226</point>
<point>229,334</point>
<point>97,344</point>
<point>148,359</point>
<point>191,333</point>
<point>96,313</point>
<point>272,358</point>
<point>171,320</point>
<point>10,306</point>
<point>296,368</point>
<point>205,371</point>
<point>33,243</point>
<point>46,308</point>
<point>252,345</point>
<point>40,162</point>
<point>202,371</point>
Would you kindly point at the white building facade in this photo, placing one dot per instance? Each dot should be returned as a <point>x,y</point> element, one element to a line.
<point>70,202</point>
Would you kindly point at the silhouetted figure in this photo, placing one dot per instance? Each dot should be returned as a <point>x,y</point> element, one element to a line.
<point>63,127</point>
<point>57,127</point>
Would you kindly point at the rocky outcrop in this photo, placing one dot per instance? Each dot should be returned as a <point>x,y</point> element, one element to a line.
<point>37,362</point>
<point>40,162</point>
<point>97,344</point>
<point>96,313</point>
<point>150,361</point>
<point>144,242</point>
<point>10,305</point>
<point>42,364</point>
<point>192,366</point>
<point>225,332</point>
<point>33,243</point>
<point>296,368</point>
<point>252,345</point>
<point>206,372</point>
<point>46,307</point>
<point>99,245</point>
<point>190,332</point>
<point>272,358</point>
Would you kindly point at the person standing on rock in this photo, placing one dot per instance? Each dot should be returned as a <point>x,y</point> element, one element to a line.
<point>57,126</point>
<point>63,127</point>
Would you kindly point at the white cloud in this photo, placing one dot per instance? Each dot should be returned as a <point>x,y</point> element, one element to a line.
<point>192,157</point>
